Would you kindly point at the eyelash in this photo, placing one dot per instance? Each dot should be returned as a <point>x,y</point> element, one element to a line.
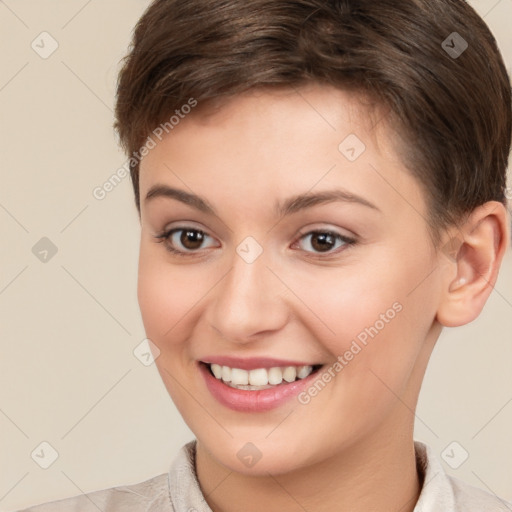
<point>165,235</point>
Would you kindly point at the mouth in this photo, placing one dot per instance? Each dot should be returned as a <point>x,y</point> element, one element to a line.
<point>258,386</point>
<point>260,378</point>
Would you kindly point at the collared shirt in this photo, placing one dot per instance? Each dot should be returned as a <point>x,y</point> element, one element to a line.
<point>179,491</point>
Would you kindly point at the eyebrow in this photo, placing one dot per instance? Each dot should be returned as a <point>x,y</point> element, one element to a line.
<point>288,207</point>
<point>196,202</point>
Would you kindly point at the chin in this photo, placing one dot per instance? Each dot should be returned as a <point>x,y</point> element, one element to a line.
<point>259,457</point>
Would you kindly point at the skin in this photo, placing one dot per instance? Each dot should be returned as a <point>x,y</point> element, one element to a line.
<point>351,447</point>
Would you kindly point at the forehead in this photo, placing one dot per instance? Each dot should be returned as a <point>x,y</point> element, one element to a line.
<point>327,107</point>
<point>276,142</point>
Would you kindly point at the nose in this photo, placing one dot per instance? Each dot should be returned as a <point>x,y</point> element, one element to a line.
<point>248,303</point>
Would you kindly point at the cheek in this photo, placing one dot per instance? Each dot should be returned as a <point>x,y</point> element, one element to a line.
<point>344,303</point>
<point>377,314</point>
<point>166,295</point>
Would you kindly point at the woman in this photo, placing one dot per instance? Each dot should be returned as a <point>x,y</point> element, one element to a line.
<point>321,189</point>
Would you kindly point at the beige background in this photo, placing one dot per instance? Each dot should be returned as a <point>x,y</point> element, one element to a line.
<point>69,326</point>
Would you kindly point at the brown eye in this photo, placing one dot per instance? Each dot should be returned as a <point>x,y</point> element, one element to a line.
<point>324,242</point>
<point>185,241</point>
<point>191,239</point>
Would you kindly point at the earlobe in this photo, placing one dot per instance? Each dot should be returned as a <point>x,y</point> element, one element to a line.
<point>474,264</point>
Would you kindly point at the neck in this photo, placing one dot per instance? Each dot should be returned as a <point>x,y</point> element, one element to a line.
<point>369,476</point>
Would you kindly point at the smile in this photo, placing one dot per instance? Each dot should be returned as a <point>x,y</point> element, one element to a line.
<point>260,386</point>
<point>259,378</point>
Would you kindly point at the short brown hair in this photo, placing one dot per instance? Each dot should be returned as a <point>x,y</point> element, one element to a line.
<point>452,111</point>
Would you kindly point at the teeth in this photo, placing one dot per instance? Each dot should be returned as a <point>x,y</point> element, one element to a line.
<point>304,371</point>
<point>259,378</point>
<point>239,377</point>
<point>226,374</point>
<point>275,376</point>
<point>217,370</point>
<point>290,373</point>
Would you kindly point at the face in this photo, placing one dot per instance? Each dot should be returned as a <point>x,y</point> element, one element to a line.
<point>282,232</point>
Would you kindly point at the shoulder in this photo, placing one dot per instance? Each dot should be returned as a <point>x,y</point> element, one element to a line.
<point>469,498</point>
<point>152,494</point>
<point>163,493</point>
<point>441,491</point>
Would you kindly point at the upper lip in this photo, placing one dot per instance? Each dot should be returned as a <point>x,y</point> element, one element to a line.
<point>253,362</point>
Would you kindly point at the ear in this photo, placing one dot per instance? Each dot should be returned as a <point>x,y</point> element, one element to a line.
<point>473,256</point>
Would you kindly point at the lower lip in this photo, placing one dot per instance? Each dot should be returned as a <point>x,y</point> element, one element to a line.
<point>253,401</point>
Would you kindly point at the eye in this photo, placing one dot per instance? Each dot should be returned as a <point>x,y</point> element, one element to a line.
<point>189,238</point>
<point>324,241</point>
